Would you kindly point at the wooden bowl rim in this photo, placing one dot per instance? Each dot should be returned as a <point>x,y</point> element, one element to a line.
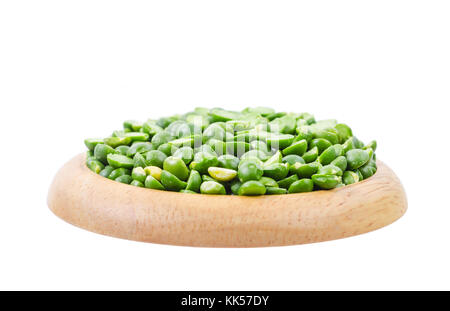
<point>88,200</point>
<point>231,196</point>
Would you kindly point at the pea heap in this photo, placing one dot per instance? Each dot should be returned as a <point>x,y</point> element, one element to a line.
<point>214,151</point>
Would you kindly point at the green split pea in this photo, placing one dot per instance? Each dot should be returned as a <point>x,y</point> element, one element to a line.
<point>253,152</point>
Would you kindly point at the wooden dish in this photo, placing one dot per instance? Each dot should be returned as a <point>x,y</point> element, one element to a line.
<point>98,204</point>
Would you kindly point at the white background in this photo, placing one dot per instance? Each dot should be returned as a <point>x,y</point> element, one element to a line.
<point>75,69</point>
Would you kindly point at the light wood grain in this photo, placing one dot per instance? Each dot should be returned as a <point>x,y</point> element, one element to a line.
<point>98,204</point>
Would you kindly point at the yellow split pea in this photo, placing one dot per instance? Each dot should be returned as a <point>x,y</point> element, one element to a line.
<point>153,171</point>
<point>222,174</point>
